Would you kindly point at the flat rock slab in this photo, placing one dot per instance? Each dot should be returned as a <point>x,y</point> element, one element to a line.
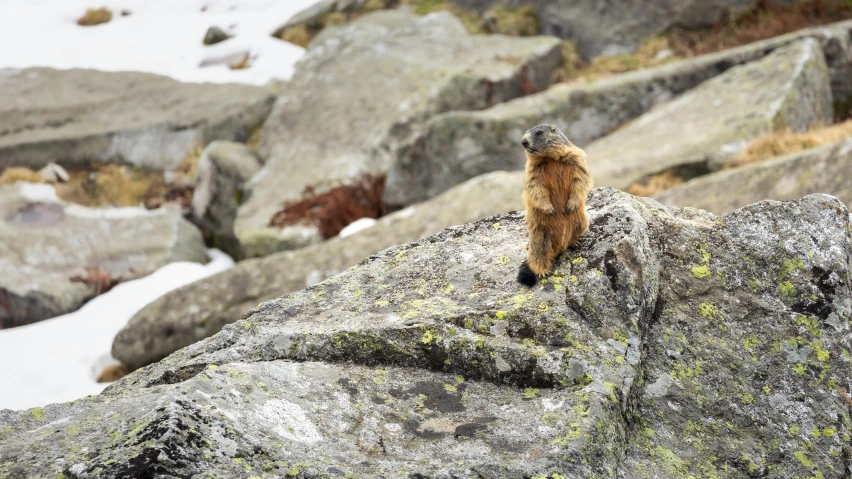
<point>670,343</point>
<point>55,256</point>
<point>362,88</point>
<point>459,145</point>
<point>707,126</point>
<point>201,309</point>
<point>826,169</point>
<point>78,117</point>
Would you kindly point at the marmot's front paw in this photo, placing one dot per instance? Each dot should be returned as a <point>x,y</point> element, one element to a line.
<point>549,210</point>
<point>572,206</point>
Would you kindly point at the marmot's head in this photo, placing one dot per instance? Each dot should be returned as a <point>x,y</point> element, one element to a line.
<point>545,141</point>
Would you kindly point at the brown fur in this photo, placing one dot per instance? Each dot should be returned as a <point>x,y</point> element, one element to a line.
<point>558,181</point>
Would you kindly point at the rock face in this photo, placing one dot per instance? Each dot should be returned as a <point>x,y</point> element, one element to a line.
<point>78,117</point>
<point>356,116</point>
<point>670,343</point>
<point>824,169</point>
<point>55,256</point>
<point>459,145</point>
<point>223,168</point>
<point>707,126</point>
<point>201,309</point>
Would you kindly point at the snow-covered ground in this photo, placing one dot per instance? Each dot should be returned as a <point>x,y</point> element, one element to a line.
<point>158,36</point>
<point>59,359</point>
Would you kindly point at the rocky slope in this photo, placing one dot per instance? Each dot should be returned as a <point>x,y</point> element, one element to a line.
<point>201,309</point>
<point>458,145</point>
<point>670,343</point>
<point>56,255</point>
<point>823,169</point>
<point>339,118</point>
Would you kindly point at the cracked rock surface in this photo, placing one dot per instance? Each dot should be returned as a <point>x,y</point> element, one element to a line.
<point>669,343</point>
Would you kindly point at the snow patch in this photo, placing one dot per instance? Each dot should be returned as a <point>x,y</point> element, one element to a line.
<point>157,36</point>
<point>57,360</point>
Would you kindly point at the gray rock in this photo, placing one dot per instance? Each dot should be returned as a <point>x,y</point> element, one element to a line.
<point>45,244</point>
<point>428,360</point>
<point>201,309</point>
<point>223,168</point>
<point>215,35</point>
<point>614,28</point>
<point>340,118</point>
<point>459,145</point>
<point>707,126</point>
<point>826,169</point>
<point>78,117</point>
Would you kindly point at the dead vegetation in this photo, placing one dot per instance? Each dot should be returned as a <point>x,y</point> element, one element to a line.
<point>95,16</point>
<point>119,185</point>
<point>766,19</point>
<point>656,183</point>
<point>785,142</point>
<point>302,33</point>
<point>98,278</point>
<point>335,208</point>
<point>766,147</point>
<point>19,173</point>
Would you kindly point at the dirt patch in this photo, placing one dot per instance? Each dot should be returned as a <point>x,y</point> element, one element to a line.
<point>335,208</point>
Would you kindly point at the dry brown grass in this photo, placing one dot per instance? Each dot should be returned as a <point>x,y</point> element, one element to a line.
<point>122,185</point>
<point>19,173</point>
<point>334,209</point>
<point>785,142</point>
<point>765,20</point>
<point>95,16</point>
<point>519,22</point>
<point>657,183</point>
<point>301,34</point>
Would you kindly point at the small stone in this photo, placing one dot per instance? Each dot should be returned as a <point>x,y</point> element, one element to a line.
<point>215,35</point>
<point>53,173</point>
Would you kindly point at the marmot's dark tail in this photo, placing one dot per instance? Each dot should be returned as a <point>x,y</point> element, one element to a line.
<point>526,276</point>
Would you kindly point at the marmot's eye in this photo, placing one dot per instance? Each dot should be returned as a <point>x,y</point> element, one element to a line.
<point>538,133</point>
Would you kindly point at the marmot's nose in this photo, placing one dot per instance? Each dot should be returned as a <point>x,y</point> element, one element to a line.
<point>525,143</point>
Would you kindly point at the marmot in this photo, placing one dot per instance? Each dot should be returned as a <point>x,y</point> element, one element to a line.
<point>558,181</point>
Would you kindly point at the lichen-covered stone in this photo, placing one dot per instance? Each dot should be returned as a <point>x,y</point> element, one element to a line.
<point>55,256</point>
<point>669,343</point>
<point>340,117</point>
<point>707,126</point>
<point>78,117</point>
<point>201,309</point>
<point>458,145</point>
<point>825,169</point>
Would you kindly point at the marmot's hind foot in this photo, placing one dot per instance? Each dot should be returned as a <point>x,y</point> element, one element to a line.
<point>526,276</point>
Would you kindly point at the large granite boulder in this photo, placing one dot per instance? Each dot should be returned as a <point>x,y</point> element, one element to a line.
<point>459,145</point>
<point>201,309</point>
<point>54,256</point>
<point>710,124</point>
<point>78,117</point>
<point>340,117</point>
<point>223,168</point>
<point>669,344</point>
<point>826,169</point>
